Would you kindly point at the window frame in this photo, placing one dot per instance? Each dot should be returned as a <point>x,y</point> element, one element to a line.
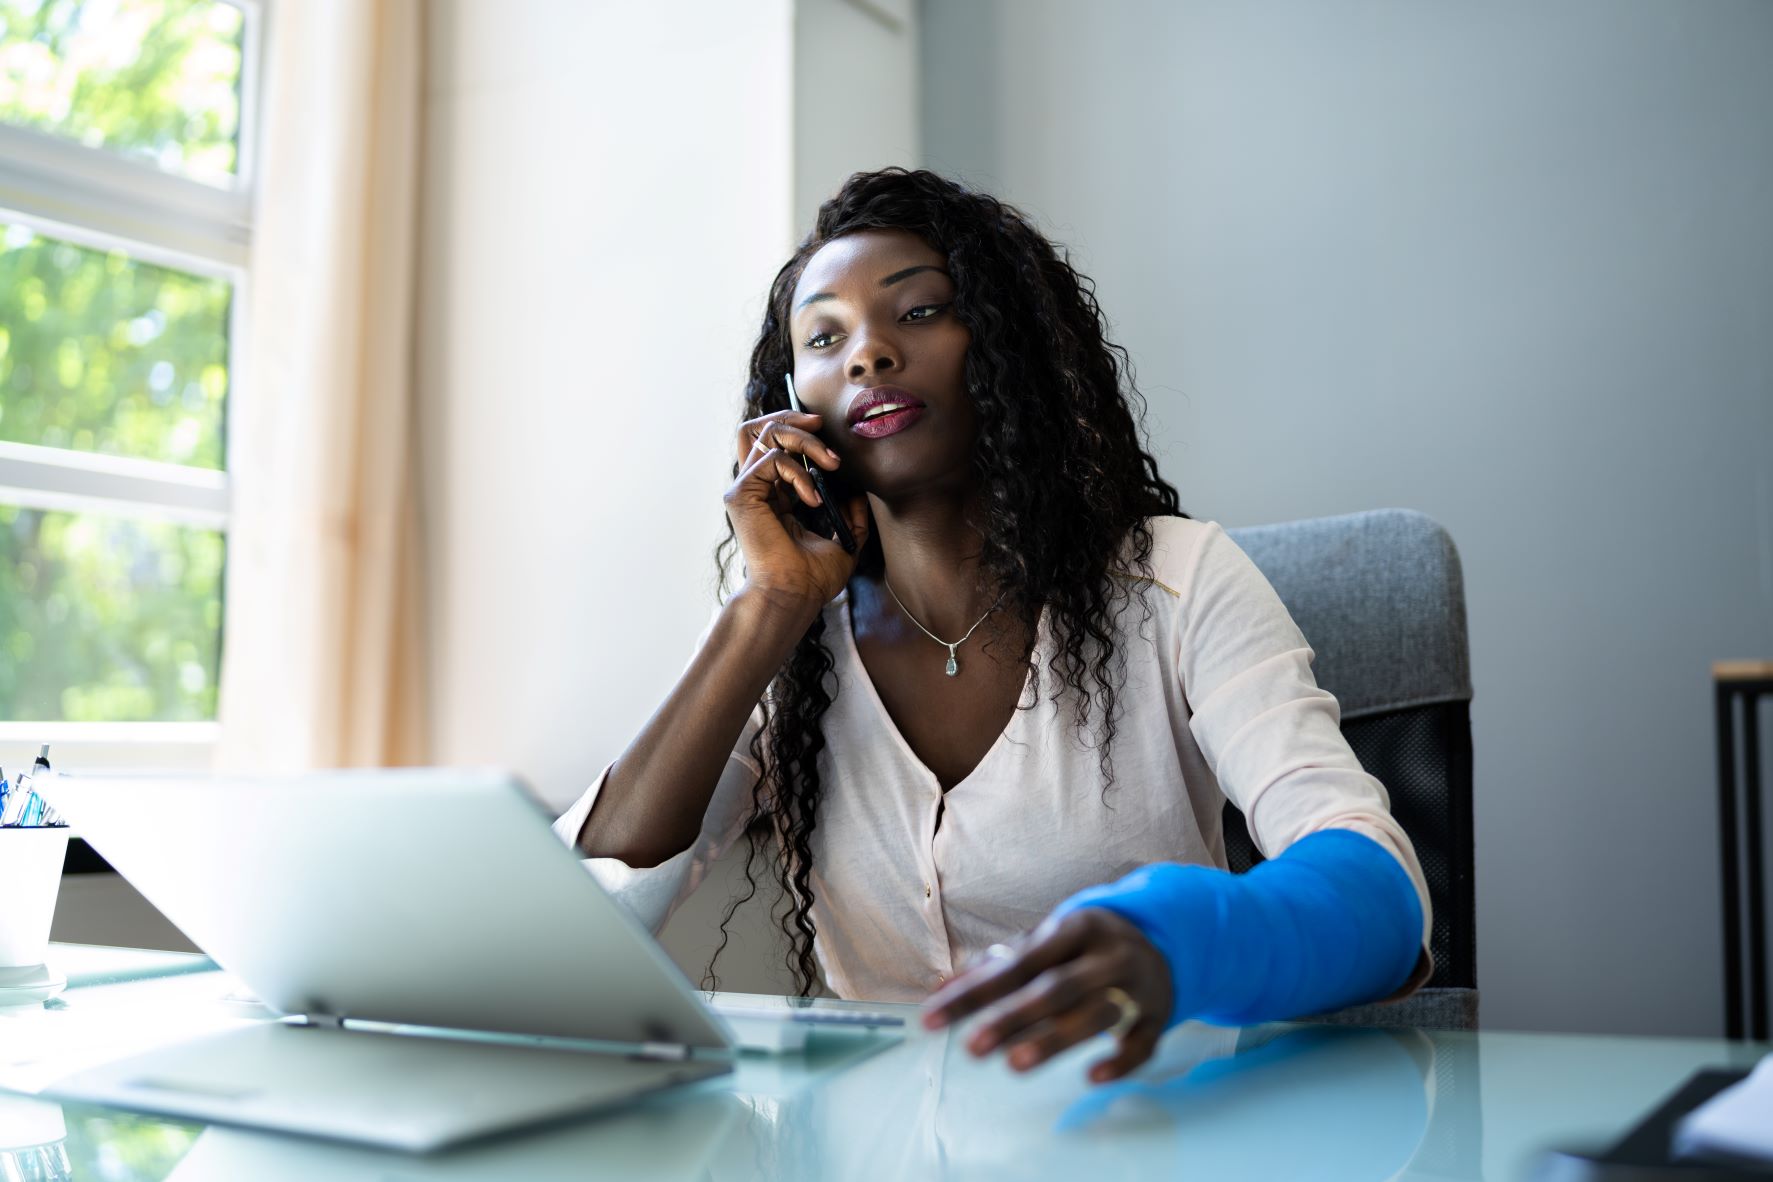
<point>100,198</point>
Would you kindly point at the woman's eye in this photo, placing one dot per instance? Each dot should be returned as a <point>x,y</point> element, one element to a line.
<point>824,340</point>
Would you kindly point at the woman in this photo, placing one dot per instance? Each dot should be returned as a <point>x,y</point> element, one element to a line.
<point>1033,676</point>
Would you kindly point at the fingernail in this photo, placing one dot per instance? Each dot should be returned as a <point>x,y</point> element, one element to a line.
<point>1022,1057</point>
<point>934,1021</point>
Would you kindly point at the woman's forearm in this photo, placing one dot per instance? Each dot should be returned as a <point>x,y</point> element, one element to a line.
<point>657,792</point>
<point>1331,922</point>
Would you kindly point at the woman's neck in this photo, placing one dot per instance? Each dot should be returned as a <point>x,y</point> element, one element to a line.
<point>932,550</point>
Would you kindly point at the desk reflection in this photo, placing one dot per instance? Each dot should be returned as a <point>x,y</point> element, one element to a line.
<point>33,1141</point>
<point>667,1138</point>
<point>1271,1102</point>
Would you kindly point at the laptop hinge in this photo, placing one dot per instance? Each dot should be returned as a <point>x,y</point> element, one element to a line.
<point>661,1052</point>
<point>666,1052</point>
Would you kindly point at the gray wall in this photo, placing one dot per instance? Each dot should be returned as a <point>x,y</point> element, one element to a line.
<point>1509,263</point>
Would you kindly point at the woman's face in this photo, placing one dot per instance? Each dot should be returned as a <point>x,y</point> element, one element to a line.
<point>879,354</point>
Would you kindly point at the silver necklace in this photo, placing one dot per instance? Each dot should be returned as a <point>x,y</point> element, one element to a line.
<point>953,667</point>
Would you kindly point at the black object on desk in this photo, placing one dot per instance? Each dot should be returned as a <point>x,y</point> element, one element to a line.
<point>1644,1153</point>
<point>1745,681</point>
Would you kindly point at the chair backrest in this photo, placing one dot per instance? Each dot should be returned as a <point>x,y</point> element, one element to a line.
<point>1380,599</point>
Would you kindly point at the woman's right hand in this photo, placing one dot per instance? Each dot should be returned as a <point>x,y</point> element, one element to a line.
<point>783,559</point>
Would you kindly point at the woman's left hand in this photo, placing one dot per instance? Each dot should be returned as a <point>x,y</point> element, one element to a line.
<point>1055,987</point>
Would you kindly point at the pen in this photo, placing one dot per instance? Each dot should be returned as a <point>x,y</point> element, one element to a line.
<point>16,800</point>
<point>20,805</point>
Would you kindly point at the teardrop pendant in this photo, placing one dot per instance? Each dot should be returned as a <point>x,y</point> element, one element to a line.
<point>953,669</point>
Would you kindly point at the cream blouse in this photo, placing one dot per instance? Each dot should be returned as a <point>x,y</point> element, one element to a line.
<point>1219,703</point>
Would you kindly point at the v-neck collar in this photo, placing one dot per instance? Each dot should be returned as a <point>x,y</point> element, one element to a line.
<point>853,652</point>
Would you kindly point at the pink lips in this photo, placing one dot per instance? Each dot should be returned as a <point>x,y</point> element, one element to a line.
<point>907,410</point>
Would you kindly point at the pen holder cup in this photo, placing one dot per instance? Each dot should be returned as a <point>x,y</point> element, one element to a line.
<point>30,877</point>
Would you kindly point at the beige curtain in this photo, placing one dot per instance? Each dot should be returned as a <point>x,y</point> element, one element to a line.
<point>321,665</point>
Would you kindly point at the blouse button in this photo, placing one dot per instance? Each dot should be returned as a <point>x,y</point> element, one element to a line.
<point>926,890</point>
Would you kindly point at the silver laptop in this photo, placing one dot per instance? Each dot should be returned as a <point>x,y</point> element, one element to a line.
<point>409,923</point>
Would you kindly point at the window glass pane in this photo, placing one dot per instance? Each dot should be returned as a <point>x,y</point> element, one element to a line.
<point>99,352</point>
<point>154,79</point>
<point>106,619</point>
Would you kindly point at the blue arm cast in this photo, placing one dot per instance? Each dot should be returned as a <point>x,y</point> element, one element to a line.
<point>1333,921</point>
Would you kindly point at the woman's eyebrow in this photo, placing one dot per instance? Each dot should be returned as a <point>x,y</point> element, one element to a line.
<point>895,277</point>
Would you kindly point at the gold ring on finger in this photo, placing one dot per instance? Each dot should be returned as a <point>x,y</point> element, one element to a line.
<point>1129,1011</point>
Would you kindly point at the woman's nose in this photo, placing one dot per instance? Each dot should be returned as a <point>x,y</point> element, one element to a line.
<point>872,354</point>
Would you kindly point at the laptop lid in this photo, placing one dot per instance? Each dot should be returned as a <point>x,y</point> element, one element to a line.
<point>424,897</point>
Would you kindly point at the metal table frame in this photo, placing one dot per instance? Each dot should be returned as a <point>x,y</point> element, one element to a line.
<point>1745,895</point>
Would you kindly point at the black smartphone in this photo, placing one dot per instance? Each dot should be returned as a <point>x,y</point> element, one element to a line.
<point>825,518</point>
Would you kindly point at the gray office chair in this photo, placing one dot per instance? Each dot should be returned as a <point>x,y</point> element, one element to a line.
<point>1381,601</point>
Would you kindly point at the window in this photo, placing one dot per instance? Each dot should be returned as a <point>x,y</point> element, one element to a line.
<point>126,170</point>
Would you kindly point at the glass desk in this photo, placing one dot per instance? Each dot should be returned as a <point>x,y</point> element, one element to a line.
<point>1269,1102</point>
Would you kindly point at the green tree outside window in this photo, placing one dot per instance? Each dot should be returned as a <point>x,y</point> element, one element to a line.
<point>109,618</point>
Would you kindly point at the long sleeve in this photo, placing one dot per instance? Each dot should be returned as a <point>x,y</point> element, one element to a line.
<point>1270,733</point>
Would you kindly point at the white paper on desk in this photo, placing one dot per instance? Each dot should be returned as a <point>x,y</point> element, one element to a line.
<point>1737,1122</point>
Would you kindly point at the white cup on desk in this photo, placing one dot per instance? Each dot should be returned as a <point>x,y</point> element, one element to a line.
<point>30,878</point>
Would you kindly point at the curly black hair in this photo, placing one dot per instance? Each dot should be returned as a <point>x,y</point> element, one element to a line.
<point>1065,483</point>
